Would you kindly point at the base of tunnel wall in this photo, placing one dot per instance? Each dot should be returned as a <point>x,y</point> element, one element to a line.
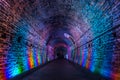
<point>84,68</point>
<point>21,76</point>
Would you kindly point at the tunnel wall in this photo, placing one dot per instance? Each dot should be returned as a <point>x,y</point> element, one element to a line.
<point>100,45</point>
<point>18,49</point>
<point>20,44</point>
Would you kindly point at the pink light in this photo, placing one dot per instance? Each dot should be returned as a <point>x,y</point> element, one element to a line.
<point>30,59</point>
<point>88,62</point>
<point>116,76</point>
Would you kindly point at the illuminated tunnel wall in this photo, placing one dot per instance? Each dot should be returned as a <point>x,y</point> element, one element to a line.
<point>18,51</point>
<point>20,44</point>
<point>99,48</point>
<point>93,27</point>
<point>20,48</point>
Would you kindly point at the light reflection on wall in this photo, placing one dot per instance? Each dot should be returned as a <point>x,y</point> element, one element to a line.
<point>99,48</point>
<point>19,54</point>
<point>30,59</point>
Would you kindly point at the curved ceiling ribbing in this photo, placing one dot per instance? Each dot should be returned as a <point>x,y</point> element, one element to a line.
<point>81,24</point>
<point>45,18</point>
<point>44,15</point>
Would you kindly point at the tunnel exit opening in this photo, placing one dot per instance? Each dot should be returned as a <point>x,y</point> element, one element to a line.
<point>60,52</point>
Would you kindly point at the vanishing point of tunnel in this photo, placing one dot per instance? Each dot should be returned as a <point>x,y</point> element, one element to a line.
<point>59,39</point>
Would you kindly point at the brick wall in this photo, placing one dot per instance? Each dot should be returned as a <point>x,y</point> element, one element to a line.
<point>99,47</point>
<point>19,45</point>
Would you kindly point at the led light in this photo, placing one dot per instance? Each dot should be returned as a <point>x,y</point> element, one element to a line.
<point>66,35</point>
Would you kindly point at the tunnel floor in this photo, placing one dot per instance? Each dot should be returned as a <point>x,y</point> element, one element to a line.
<point>62,69</point>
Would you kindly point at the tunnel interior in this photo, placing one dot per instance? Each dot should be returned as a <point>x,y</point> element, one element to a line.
<point>34,32</point>
<point>60,52</point>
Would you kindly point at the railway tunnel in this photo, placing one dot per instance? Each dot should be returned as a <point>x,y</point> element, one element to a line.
<point>59,40</point>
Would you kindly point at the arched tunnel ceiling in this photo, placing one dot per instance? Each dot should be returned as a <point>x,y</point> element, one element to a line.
<point>88,29</point>
<point>42,17</point>
<point>45,15</point>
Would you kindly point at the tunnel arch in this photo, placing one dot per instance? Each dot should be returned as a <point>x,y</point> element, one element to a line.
<point>41,22</point>
<point>60,37</point>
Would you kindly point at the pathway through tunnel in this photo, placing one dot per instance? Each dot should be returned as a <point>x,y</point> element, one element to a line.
<point>62,69</point>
